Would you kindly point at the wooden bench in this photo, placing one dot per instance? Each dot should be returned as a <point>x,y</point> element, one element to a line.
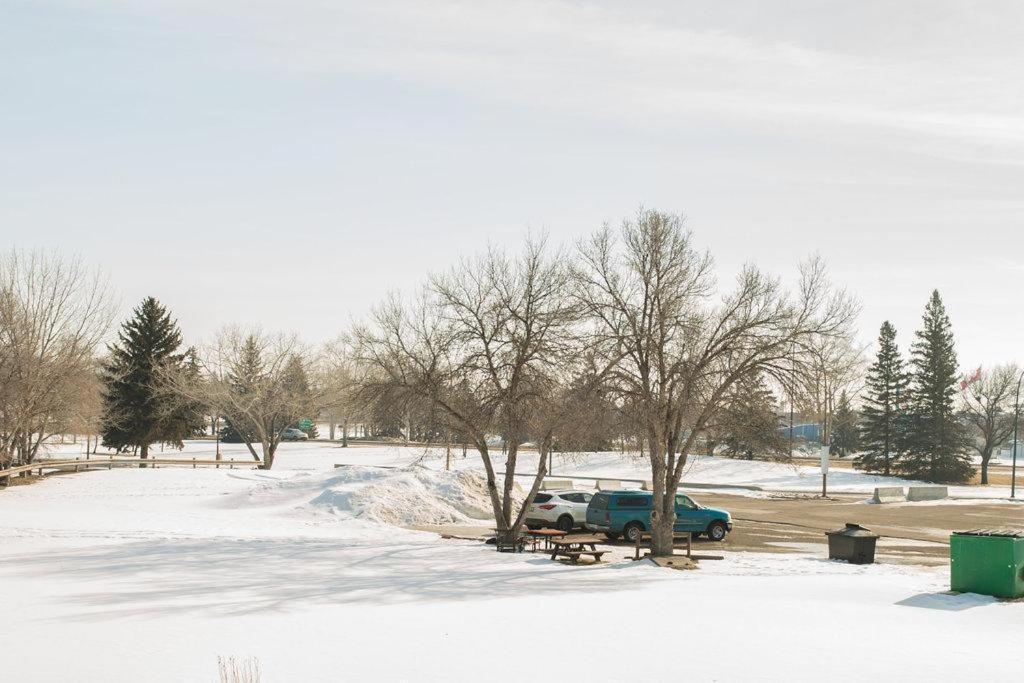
<point>504,544</point>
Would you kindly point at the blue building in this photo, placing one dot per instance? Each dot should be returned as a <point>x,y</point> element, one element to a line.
<point>808,431</point>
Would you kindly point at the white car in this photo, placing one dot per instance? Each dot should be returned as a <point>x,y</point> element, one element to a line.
<point>563,510</point>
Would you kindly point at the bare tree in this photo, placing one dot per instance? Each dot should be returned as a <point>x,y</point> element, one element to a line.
<point>834,364</point>
<point>53,315</point>
<point>337,377</point>
<point>252,380</point>
<point>487,345</point>
<point>86,407</point>
<point>989,405</point>
<point>651,294</point>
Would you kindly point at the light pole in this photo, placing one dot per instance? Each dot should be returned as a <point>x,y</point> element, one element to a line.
<point>1016,419</point>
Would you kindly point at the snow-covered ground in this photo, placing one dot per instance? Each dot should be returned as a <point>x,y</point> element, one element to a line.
<point>701,469</point>
<point>130,575</point>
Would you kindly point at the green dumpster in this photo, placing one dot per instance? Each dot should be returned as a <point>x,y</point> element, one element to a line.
<point>988,561</point>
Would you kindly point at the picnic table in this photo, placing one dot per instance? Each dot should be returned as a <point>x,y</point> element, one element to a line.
<point>675,536</point>
<point>547,535</point>
<point>573,546</point>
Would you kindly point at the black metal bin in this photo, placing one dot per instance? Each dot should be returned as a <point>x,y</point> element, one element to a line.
<point>853,543</point>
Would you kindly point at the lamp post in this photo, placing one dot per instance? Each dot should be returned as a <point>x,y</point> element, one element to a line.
<point>1016,419</point>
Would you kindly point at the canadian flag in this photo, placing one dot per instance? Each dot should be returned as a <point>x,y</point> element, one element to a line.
<point>967,381</point>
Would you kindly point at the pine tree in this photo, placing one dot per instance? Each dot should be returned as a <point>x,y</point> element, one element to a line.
<point>936,440</point>
<point>297,385</point>
<point>244,377</point>
<point>749,425</point>
<point>882,418</point>
<point>845,435</point>
<point>185,418</point>
<point>138,409</point>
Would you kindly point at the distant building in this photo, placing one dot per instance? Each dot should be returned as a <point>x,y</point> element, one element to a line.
<point>1005,452</point>
<point>808,431</point>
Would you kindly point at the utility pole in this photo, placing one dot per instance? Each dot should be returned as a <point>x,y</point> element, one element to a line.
<point>791,424</point>
<point>1016,419</point>
<point>824,454</point>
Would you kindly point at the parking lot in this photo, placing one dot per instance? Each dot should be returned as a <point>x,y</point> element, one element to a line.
<point>912,533</point>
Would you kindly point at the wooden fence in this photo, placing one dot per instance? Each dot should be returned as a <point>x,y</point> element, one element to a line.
<point>110,462</point>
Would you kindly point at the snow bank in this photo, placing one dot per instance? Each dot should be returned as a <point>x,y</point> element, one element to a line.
<point>414,496</point>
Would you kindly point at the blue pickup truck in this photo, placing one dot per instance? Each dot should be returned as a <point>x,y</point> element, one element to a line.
<point>628,513</point>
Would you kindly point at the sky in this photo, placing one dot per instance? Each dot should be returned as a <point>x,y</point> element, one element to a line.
<point>287,164</point>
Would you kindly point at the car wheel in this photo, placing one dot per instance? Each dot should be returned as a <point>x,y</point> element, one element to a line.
<point>565,523</point>
<point>633,531</point>
<point>717,531</point>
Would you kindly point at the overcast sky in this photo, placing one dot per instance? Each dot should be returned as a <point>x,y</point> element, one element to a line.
<point>288,162</point>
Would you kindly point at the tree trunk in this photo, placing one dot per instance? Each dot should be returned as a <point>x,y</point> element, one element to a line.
<point>985,457</point>
<point>252,452</point>
<point>344,434</point>
<point>662,522</point>
<point>268,455</point>
<point>537,481</point>
<point>663,531</point>
<point>144,454</point>
<point>492,485</point>
<point>447,450</point>
<point>510,480</point>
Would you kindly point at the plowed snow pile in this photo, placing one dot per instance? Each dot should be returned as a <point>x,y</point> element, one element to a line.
<point>409,497</point>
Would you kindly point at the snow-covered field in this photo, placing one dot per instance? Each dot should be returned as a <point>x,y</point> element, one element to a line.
<point>143,575</point>
<point>701,469</point>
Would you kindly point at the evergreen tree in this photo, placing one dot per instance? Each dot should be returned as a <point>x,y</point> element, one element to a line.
<point>749,425</point>
<point>244,377</point>
<point>138,408</point>
<point>882,416</point>
<point>845,435</point>
<point>300,395</point>
<point>185,418</point>
<point>228,434</point>
<point>936,440</point>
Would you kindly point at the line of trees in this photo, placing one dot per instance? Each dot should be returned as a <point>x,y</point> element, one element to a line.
<point>54,314</point>
<point>144,388</point>
<point>921,419</point>
<point>256,383</point>
<point>525,346</point>
<point>624,336</point>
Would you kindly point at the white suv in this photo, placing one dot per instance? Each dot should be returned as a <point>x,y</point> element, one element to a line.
<point>563,510</point>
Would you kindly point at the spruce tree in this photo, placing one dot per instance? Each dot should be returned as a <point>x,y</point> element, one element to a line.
<point>138,408</point>
<point>749,424</point>
<point>296,384</point>
<point>936,440</point>
<point>184,418</point>
<point>245,377</point>
<point>882,418</point>
<point>845,436</point>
